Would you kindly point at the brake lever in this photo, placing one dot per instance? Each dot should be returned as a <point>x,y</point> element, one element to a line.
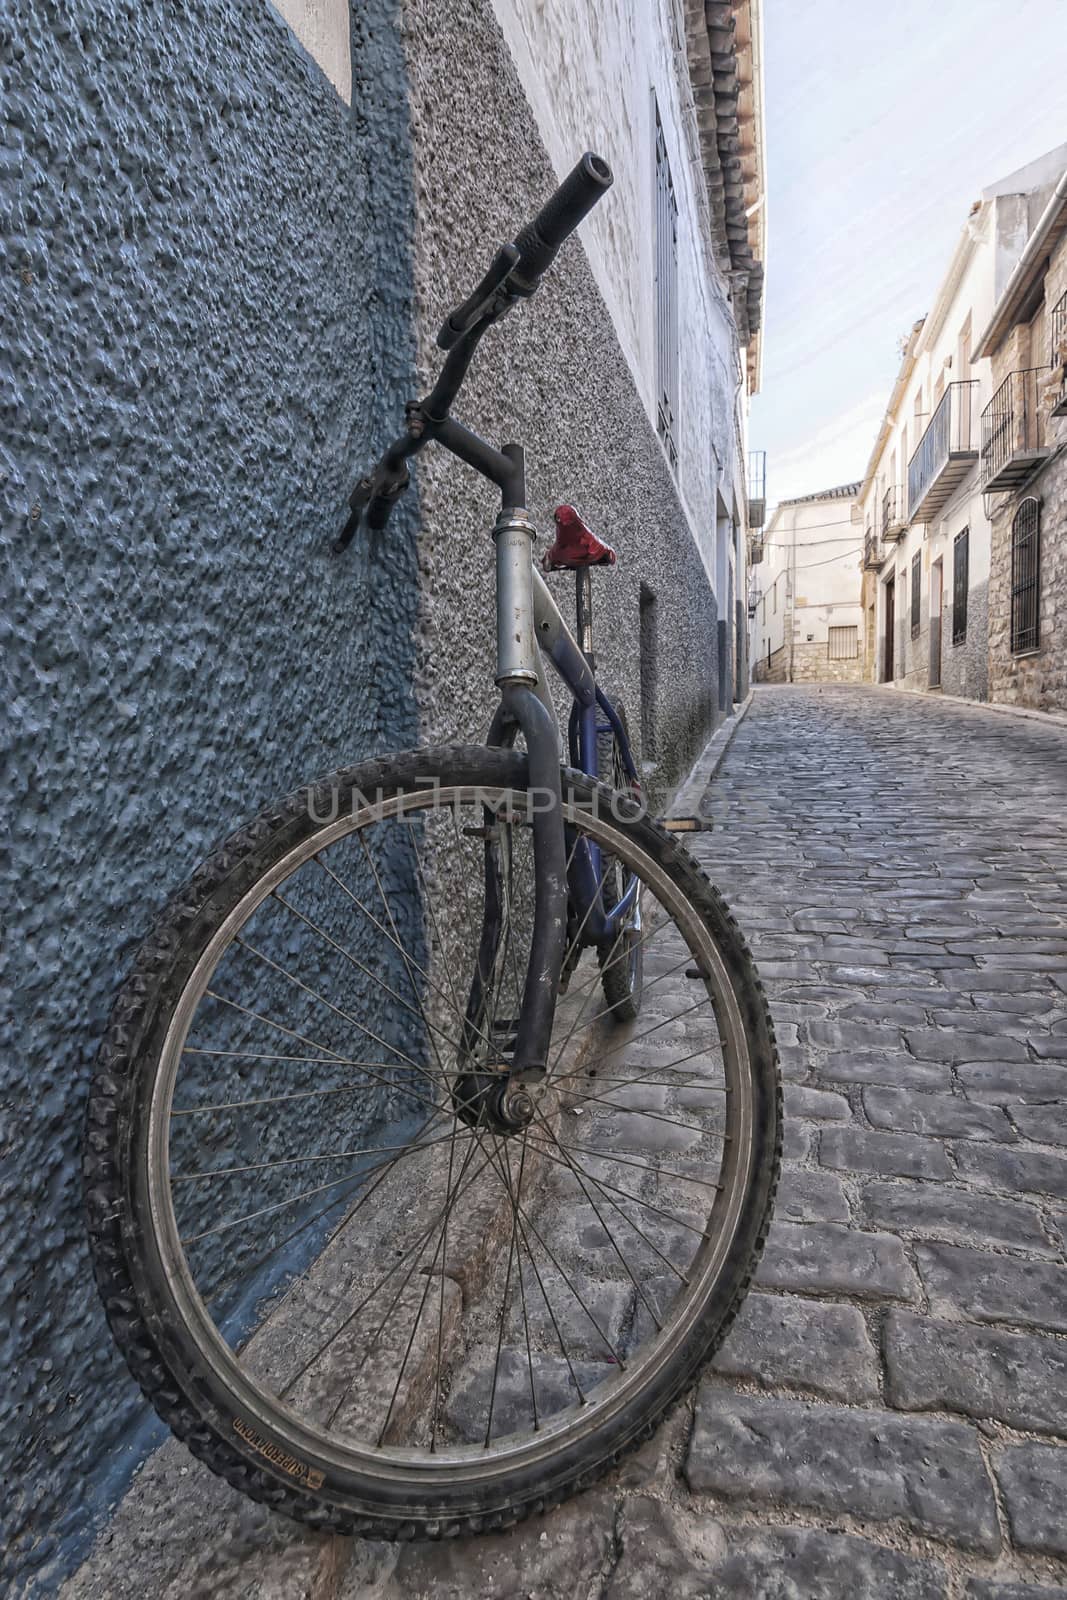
<point>358,501</point>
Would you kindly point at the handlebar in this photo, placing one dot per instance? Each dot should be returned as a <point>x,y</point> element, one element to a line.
<point>513,275</point>
<point>539,242</point>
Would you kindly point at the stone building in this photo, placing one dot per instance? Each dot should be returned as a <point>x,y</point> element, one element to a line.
<point>230,246</point>
<point>921,509</point>
<point>807,618</point>
<point>1023,469</point>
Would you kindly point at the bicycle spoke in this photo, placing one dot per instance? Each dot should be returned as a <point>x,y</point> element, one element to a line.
<point>356,901</point>
<point>383,1170</point>
<point>405,1060</point>
<point>295,1161</point>
<point>626,1193</point>
<point>611,1237</point>
<point>627,1161</point>
<point>305,1194</point>
<point>441,1300</point>
<point>275,1099</point>
<point>417,1294</point>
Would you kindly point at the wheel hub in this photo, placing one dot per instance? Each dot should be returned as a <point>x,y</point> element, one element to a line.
<point>488,1099</point>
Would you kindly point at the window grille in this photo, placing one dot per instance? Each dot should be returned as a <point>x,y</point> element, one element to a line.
<point>960,584</point>
<point>916,593</point>
<point>666,245</point>
<point>843,643</point>
<point>1025,576</point>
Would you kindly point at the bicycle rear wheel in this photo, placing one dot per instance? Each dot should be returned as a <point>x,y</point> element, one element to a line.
<point>351,1299</point>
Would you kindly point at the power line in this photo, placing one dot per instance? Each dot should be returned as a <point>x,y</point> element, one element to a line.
<point>802,566</point>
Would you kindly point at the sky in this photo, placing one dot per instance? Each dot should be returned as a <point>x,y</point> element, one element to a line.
<point>885,121</point>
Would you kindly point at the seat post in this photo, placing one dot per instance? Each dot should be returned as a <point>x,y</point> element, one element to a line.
<point>583,595</point>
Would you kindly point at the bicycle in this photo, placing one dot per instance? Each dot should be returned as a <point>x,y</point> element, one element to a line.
<point>412,1203</point>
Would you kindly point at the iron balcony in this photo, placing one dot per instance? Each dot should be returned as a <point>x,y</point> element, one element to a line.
<point>945,454</point>
<point>1058,375</point>
<point>1014,439</point>
<point>874,552</point>
<point>894,515</point>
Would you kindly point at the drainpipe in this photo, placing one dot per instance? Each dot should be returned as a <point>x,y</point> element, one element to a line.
<point>791,597</point>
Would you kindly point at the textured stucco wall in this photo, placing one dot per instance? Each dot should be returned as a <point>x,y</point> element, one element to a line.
<point>589,70</point>
<point>965,666</point>
<point>207,315</point>
<point>216,316</point>
<point>553,376</point>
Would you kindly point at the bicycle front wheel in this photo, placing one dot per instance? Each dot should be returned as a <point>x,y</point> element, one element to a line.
<point>350,1295</point>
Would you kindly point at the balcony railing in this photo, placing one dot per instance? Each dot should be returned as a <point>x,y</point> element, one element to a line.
<point>873,550</point>
<point>755,549</point>
<point>1014,441</point>
<point>945,453</point>
<point>1058,322</point>
<point>894,513</point>
<point>757,488</point>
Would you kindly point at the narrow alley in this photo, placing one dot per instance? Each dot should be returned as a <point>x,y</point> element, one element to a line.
<point>889,1415</point>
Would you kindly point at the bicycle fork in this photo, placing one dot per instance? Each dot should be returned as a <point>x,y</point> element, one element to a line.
<point>523,702</point>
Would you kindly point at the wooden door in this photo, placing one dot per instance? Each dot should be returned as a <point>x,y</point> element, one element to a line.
<point>890,631</point>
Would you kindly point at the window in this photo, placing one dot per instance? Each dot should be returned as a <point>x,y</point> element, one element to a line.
<point>1025,576</point>
<point>843,644</point>
<point>648,649</point>
<point>666,247</point>
<point>774,598</point>
<point>960,584</point>
<point>963,351</point>
<point>916,593</point>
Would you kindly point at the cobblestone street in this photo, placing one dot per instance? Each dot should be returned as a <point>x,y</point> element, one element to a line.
<point>889,1416</point>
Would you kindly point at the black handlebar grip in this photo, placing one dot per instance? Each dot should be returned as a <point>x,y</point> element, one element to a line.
<point>576,196</point>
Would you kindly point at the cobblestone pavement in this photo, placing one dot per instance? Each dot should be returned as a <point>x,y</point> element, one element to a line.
<point>889,1416</point>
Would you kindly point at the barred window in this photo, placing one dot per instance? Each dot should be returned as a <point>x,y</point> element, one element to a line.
<point>960,584</point>
<point>916,593</point>
<point>666,246</point>
<point>1026,576</point>
<point>843,643</point>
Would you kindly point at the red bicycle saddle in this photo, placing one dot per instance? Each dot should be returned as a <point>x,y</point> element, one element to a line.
<point>576,545</point>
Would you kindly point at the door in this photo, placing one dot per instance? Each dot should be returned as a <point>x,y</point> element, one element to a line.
<point>890,630</point>
<point>936,592</point>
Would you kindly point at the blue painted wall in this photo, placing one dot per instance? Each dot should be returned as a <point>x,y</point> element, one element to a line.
<point>205,282</point>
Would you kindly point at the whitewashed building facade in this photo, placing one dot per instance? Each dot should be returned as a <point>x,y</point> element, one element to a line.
<point>805,593</point>
<point>920,508</point>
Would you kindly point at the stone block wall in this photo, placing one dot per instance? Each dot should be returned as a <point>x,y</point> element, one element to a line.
<point>1037,679</point>
<point>812,664</point>
<point>773,670</point>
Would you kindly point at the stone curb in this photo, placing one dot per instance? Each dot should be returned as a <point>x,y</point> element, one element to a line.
<point>690,792</point>
<point>1052,719</point>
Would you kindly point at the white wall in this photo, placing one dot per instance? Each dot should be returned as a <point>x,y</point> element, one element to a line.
<point>988,250</point>
<point>967,294</point>
<point>589,69</point>
<point>323,28</point>
<point>810,574</point>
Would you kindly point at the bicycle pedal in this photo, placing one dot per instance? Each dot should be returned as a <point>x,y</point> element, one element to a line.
<point>686,824</point>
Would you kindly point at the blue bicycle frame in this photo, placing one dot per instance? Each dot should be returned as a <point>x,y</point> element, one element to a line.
<point>592,714</point>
